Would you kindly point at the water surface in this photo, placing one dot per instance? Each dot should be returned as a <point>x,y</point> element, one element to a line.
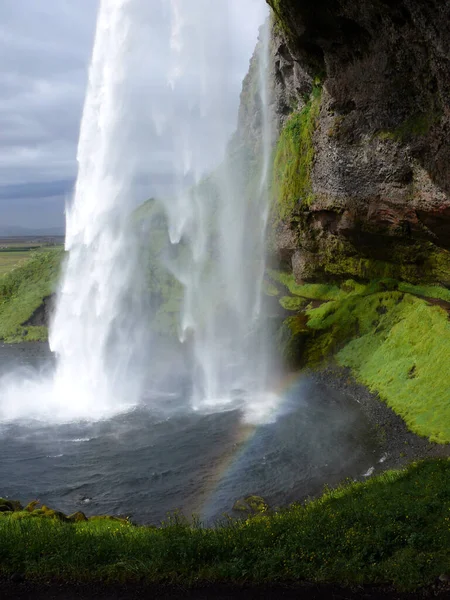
<point>163,456</point>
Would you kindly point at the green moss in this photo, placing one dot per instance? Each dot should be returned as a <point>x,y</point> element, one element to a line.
<point>292,338</point>
<point>312,291</point>
<point>418,124</point>
<point>269,289</point>
<point>294,158</point>
<point>430,291</point>
<point>23,290</point>
<point>418,263</point>
<point>293,303</point>
<point>395,342</point>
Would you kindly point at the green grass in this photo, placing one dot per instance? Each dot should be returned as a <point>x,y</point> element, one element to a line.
<point>294,156</point>
<point>22,291</point>
<point>394,341</point>
<point>391,529</point>
<point>11,259</point>
<point>406,359</point>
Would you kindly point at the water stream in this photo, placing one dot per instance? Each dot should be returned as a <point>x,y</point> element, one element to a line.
<point>219,222</point>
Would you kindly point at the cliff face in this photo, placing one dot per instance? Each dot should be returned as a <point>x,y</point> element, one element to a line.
<point>368,194</point>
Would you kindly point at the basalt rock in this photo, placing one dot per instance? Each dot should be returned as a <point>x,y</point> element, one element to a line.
<point>42,315</point>
<point>380,183</point>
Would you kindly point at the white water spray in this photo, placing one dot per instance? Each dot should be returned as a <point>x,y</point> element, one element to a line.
<point>221,224</point>
<point>97,332</point>
<point>172,86</point>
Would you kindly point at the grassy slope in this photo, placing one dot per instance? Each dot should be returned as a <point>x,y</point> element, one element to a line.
<point>11,259</point>
<point>22,291</point>
<point>395,342</point>
<point>393,528</point>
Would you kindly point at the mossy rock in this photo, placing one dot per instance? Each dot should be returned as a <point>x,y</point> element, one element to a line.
<point>251,505</point>
<point>292,338</point>
<point>108,518</point>
<point>77,517</point>
<point>56,514</point>
<point>9,505</point>
<point>31,506</point>
<point>294,157</point>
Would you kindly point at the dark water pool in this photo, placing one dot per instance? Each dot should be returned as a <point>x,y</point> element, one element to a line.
<point>147,463</point>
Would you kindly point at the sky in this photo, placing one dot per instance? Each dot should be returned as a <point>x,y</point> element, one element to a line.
<point>46,49</point>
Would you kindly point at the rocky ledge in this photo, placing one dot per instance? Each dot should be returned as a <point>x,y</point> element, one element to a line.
<point>368,194</point>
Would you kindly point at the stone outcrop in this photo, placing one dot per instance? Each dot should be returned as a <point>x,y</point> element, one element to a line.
<point>41,317</point>
<point>379,200</point>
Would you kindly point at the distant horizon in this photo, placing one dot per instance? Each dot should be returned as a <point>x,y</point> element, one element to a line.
<point>21,231</point>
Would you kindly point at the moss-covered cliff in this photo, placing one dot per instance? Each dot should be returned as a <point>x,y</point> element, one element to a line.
<point>377,199</point>
<point>360,228</point>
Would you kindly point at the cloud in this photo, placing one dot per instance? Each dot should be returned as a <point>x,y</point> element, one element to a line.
<point>46,49</point>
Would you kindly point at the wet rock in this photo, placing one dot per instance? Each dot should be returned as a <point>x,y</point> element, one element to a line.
<point>380,187</point>
<point>10,505</point>
<point>42,315</point>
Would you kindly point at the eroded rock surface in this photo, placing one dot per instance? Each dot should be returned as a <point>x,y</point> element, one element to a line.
<point>380,202</point>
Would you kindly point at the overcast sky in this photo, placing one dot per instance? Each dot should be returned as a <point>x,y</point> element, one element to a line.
<point>45,49</point>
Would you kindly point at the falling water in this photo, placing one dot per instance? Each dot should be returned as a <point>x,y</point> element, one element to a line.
<point>96,331</point>
<point>220,223</point>
<point>157,105</point>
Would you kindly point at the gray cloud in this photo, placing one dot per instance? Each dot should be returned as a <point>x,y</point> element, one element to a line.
<point>45,49</point>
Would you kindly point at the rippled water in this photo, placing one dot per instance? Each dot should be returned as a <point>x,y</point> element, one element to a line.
<point>163,456</point>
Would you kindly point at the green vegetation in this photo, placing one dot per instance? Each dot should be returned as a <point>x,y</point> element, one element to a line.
<point>428,291</point>
<point>391,529</point>
<point>292,303</point>
<point>165,292</point>
<point>294,159</point>
<point>405,356</point>
<point>417,124</point>
<point>15,253</point>
<point>270,289</point>
<point>312,291</point>
<point>395,343</point>
<point>23,290</point>
<point>11,259</point>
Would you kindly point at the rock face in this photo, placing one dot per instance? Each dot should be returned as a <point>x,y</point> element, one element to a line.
<point>43,314</point>
<point>379,199</point>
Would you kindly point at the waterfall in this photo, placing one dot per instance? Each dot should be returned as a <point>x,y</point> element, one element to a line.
<point>158,107</point>
<point>220,222</point>
<point>96,333</point>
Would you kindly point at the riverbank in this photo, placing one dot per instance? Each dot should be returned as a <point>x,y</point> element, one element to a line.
<point>391,530</point>
<point>399,445</point>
